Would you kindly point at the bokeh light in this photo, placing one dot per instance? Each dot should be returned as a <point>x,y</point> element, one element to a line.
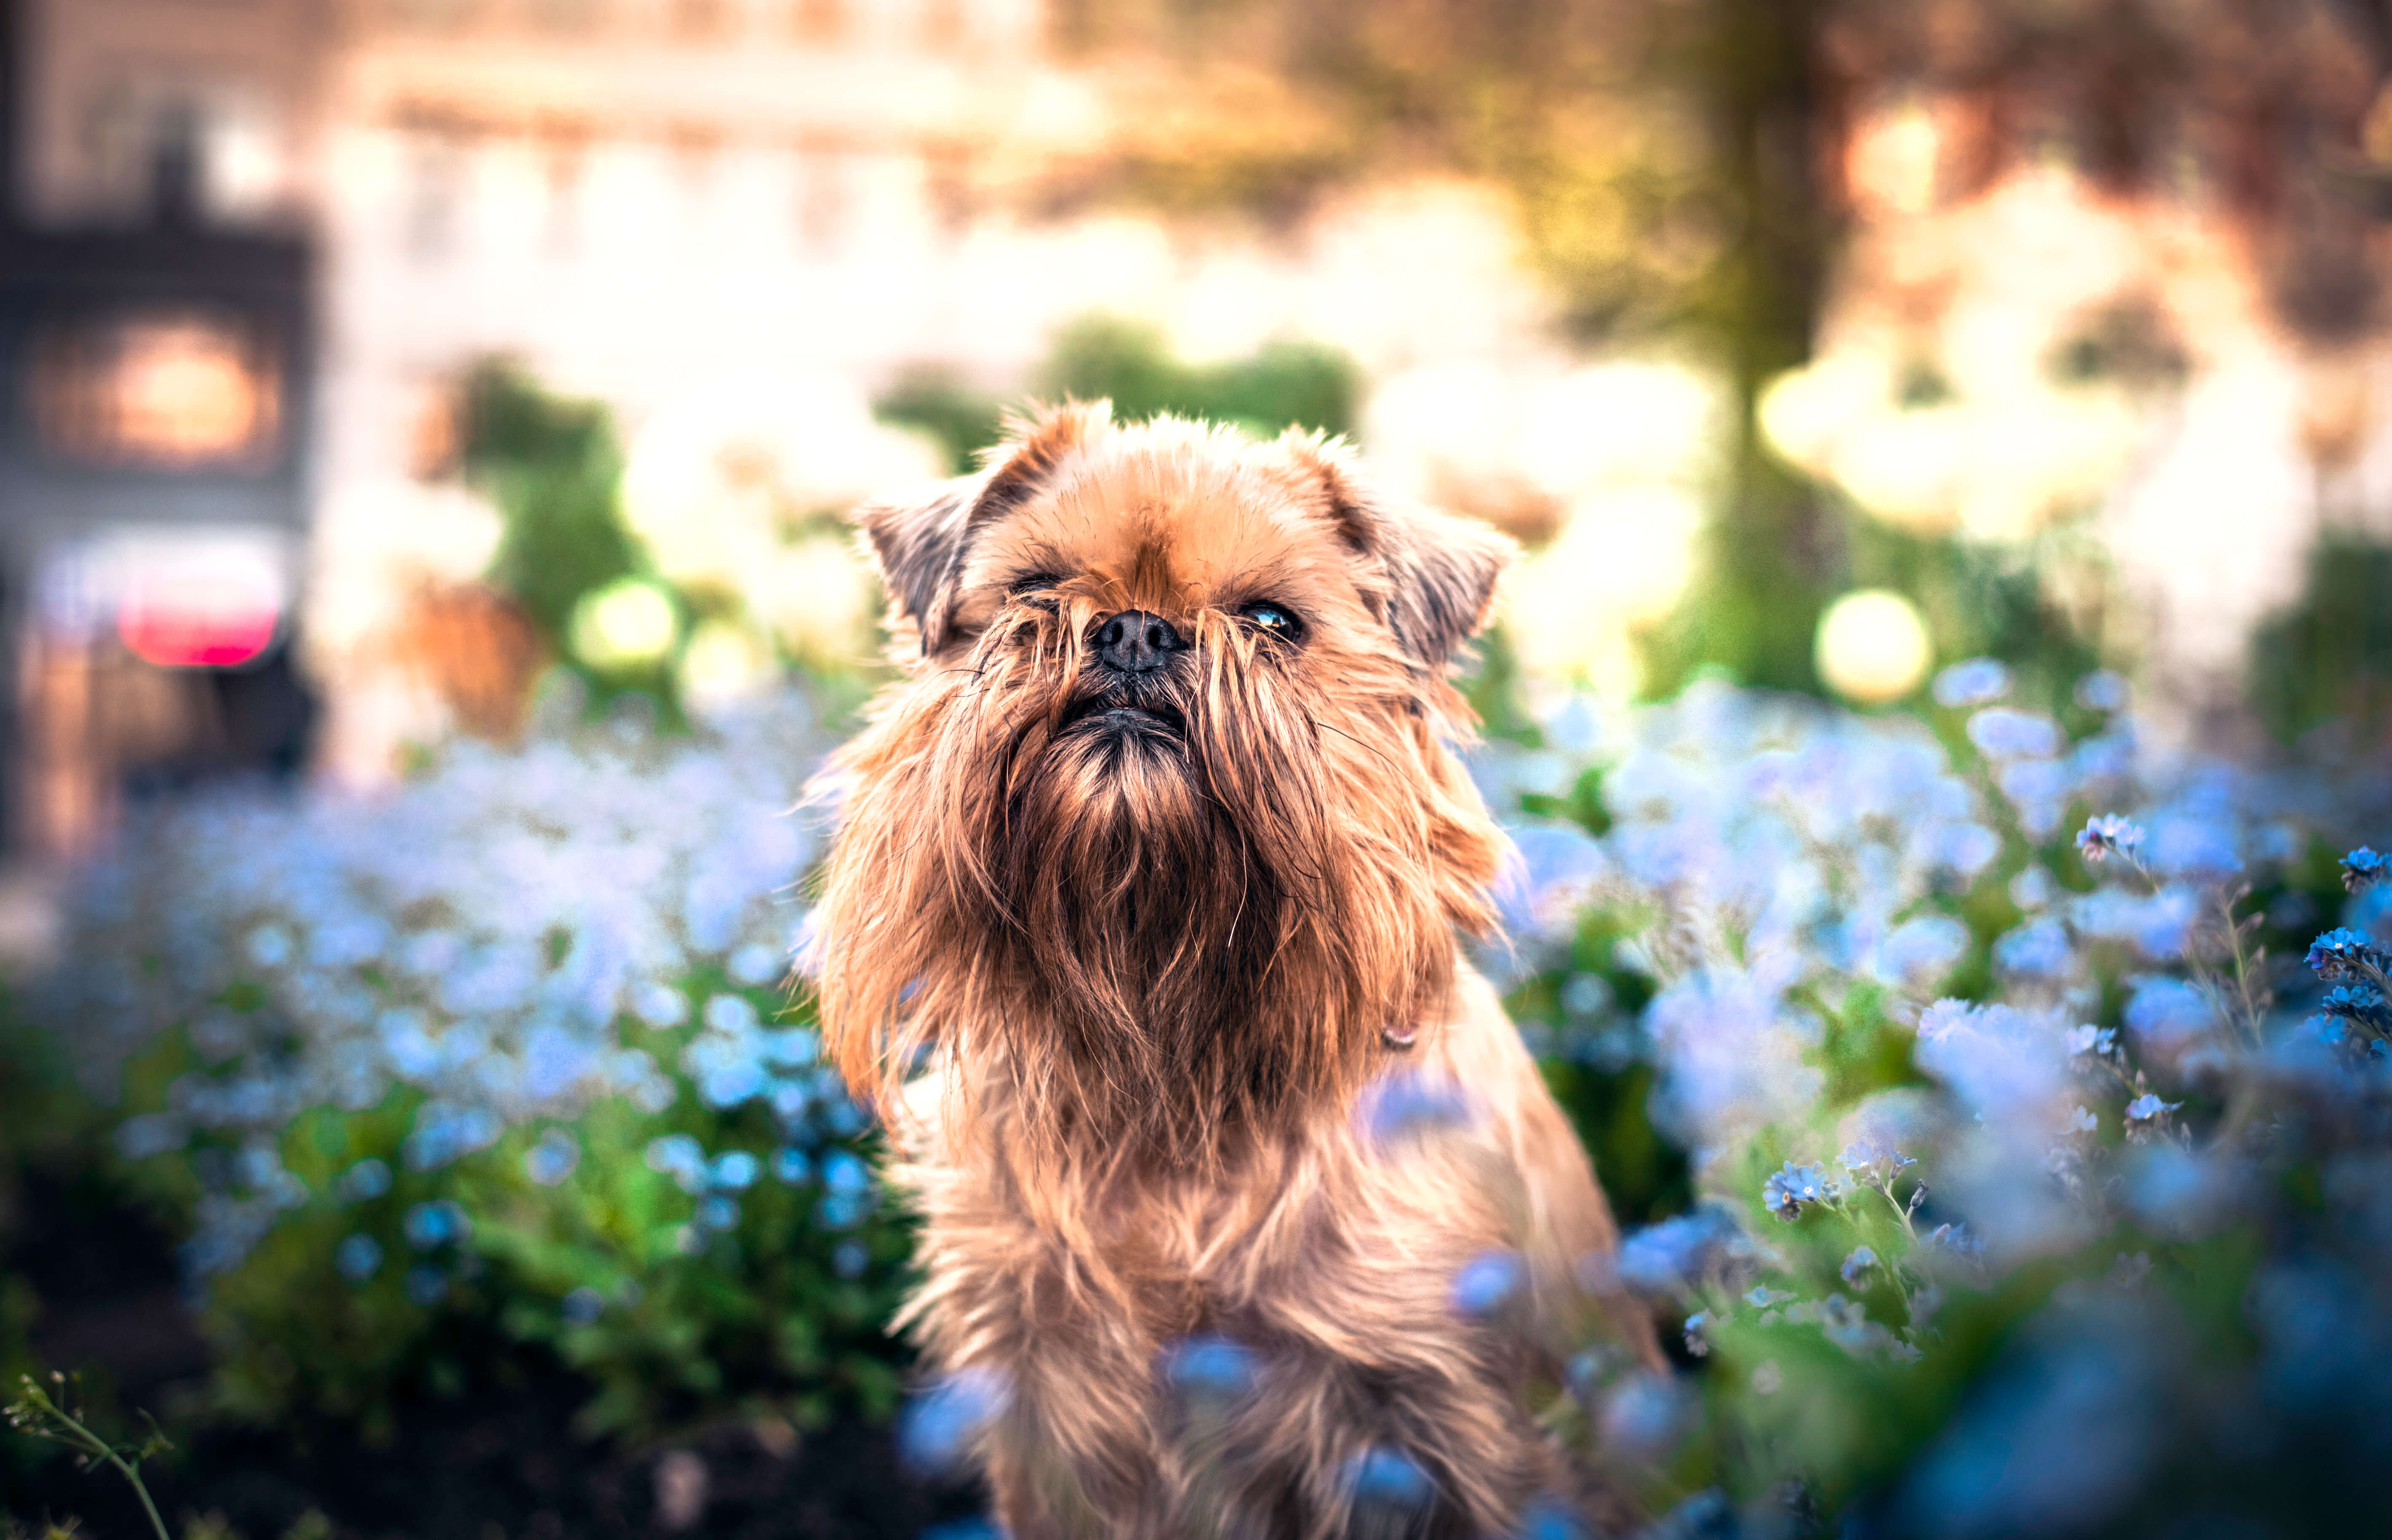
<point>1873,647</point>
<point>624,625</point>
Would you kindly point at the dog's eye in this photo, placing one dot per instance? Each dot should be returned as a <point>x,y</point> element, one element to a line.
<point>1276,619</point>
<point>1029,584</point>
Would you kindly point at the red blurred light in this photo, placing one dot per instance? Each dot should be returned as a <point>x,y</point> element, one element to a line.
<point>200,626</point>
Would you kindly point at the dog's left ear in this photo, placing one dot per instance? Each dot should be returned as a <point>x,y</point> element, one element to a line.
<point>1440,570</point>
<point>919,547</point>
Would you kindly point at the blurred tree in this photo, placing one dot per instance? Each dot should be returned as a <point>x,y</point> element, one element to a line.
<point>1678,168</point>
<point>553,467</point>
<point>2248,102</point>
<point>2271,111</point>
<point>1659,158</point>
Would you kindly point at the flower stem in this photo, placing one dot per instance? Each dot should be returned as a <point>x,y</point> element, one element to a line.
<point>2249,1021</point>
<point>93,1444</point>
<point>1900,1212</point>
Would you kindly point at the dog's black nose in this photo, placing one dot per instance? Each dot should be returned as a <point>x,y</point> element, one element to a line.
<point>1136,643</point>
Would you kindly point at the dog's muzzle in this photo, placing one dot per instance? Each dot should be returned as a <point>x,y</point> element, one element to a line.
<point>1118,714</point>
<point>1126,692</point>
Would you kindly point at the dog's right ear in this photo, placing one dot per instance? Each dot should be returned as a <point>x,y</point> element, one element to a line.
<point>919,547</point>
<point>915,547</point>
<point>1439,571</point>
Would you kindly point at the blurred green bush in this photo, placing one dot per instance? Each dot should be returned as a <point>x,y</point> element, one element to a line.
<point>564,1236</point>
<point>2328,658</point>
<point>1131,364</point>
<point>553,467</point>
<point>683,1290</point>
<point>498,1071</point>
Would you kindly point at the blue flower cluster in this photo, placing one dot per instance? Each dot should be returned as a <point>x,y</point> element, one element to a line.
<point>2112,1065</point>
<point>2069,1078</point>
<point>501,941</point>
<point>2354,1013</point>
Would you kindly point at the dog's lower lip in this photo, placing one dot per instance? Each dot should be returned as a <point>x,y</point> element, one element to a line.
<point>1126,716</point>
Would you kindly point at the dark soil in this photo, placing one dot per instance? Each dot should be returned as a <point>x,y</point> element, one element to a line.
<point>486,1470</point>
<point>502,1464</point>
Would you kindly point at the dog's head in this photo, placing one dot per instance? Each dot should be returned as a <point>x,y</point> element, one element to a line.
<point>1163,821</point>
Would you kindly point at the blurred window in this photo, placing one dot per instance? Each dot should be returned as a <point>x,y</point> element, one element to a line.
<point>179,148</point>
<point>170,390</point>
<point>822,21</point>
<point>701,19</point>
<point>563,168</point>
<point>116,144</point>
<point>943,25</point>
<point>435,194</point>
<point>428,15</point>
<point>696,156</point>
<point>566,16</point>
<point>825,202</point>
<point>241,158</point>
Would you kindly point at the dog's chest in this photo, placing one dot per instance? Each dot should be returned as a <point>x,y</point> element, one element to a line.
<point>1196,1253</point>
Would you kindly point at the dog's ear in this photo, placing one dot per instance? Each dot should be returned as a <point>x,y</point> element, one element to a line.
<point>919,546</point>
<point>914,545</point>
<point>1440,570</point>
<point>1033,449</point>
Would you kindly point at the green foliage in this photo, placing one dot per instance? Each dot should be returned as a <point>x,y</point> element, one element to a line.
<point>36,1413</point>
<point>1490,679</point>
<point>2330,657</point>
<point>609,1268</point>
<point>1607,1095</point>
<point>1981,601</point>
<point>943,404</point>
<point>554,470</point>
<point>1129,363</point>
<point>45,1126</point>
<point>756,1316</point>
<point>1644,1174</point>
<point>1796,1405</point>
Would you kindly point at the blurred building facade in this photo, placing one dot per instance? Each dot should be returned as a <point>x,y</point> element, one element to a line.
<point>658,204</point>
<point>291,226</point>
<point>157,318</point>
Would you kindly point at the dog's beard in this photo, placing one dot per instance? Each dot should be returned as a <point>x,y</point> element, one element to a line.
<point>1161,883</point>
<point>1159,911</point>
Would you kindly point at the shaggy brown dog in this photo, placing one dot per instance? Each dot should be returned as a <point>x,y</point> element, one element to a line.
<point>1141,931</point>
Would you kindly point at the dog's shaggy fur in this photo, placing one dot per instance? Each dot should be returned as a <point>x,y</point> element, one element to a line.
<point>1120,955</point>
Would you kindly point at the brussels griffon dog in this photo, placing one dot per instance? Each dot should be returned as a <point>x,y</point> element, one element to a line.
<point>1241,1198</point>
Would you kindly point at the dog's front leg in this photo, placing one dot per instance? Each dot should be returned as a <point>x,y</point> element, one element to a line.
<point>1075,1457</point>
<point>1073,1450</point>
<point>1325,1448</point>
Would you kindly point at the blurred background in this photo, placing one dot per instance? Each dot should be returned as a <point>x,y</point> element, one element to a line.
<point>366,357</point>
<point>425,429</point>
